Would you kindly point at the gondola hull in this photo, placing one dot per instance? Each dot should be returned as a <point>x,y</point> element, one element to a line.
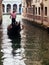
<point>14,30</point>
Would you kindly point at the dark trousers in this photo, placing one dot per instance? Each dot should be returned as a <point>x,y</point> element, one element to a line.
<point>13,21</point>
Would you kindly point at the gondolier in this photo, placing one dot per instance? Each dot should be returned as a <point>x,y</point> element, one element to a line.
<point>13,17</point>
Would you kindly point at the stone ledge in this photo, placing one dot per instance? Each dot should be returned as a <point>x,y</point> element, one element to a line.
<point>34,23</point>
<point>45,24</point>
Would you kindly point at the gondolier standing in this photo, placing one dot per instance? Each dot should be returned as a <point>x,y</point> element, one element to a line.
<point>13,17</point>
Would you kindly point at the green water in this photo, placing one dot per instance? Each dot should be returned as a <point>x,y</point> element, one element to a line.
<point>31,49</point>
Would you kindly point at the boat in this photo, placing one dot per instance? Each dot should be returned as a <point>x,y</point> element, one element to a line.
<point>14,30</point>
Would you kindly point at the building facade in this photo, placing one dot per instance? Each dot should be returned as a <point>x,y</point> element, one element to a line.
<point>10,5</point>
<point>0,11</point>
<point>36,10</point>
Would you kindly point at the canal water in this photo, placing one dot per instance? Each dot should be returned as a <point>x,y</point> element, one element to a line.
<point>31,49</point>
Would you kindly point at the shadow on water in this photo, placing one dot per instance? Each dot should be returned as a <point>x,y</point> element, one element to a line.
<point>16,43</point>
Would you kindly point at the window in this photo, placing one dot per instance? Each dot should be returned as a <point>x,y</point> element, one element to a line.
<point>39,10</point>
<point>45,10</point>
<point>36,10</point>
<point>8,8</point>
<point>15,7</point>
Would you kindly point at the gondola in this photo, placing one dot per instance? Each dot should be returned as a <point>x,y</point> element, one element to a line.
<point>14,30</point>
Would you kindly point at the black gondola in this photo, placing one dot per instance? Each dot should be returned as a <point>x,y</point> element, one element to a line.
<point>14,30</point>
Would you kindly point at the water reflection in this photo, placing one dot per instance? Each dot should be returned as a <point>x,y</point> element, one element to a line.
<point>12,52</point>
<point>0,45</point>
<point>36,45</point>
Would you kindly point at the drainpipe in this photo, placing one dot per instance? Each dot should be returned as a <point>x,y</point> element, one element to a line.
<point>0,12</point>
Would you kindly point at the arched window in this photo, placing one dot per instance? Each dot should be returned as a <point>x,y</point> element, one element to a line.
<point>15,7</point>
<point>8,8</point>
<point>20,8</point>
<point>3,7</point>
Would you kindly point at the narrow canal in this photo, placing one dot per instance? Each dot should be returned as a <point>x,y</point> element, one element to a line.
<point>31,49</point>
